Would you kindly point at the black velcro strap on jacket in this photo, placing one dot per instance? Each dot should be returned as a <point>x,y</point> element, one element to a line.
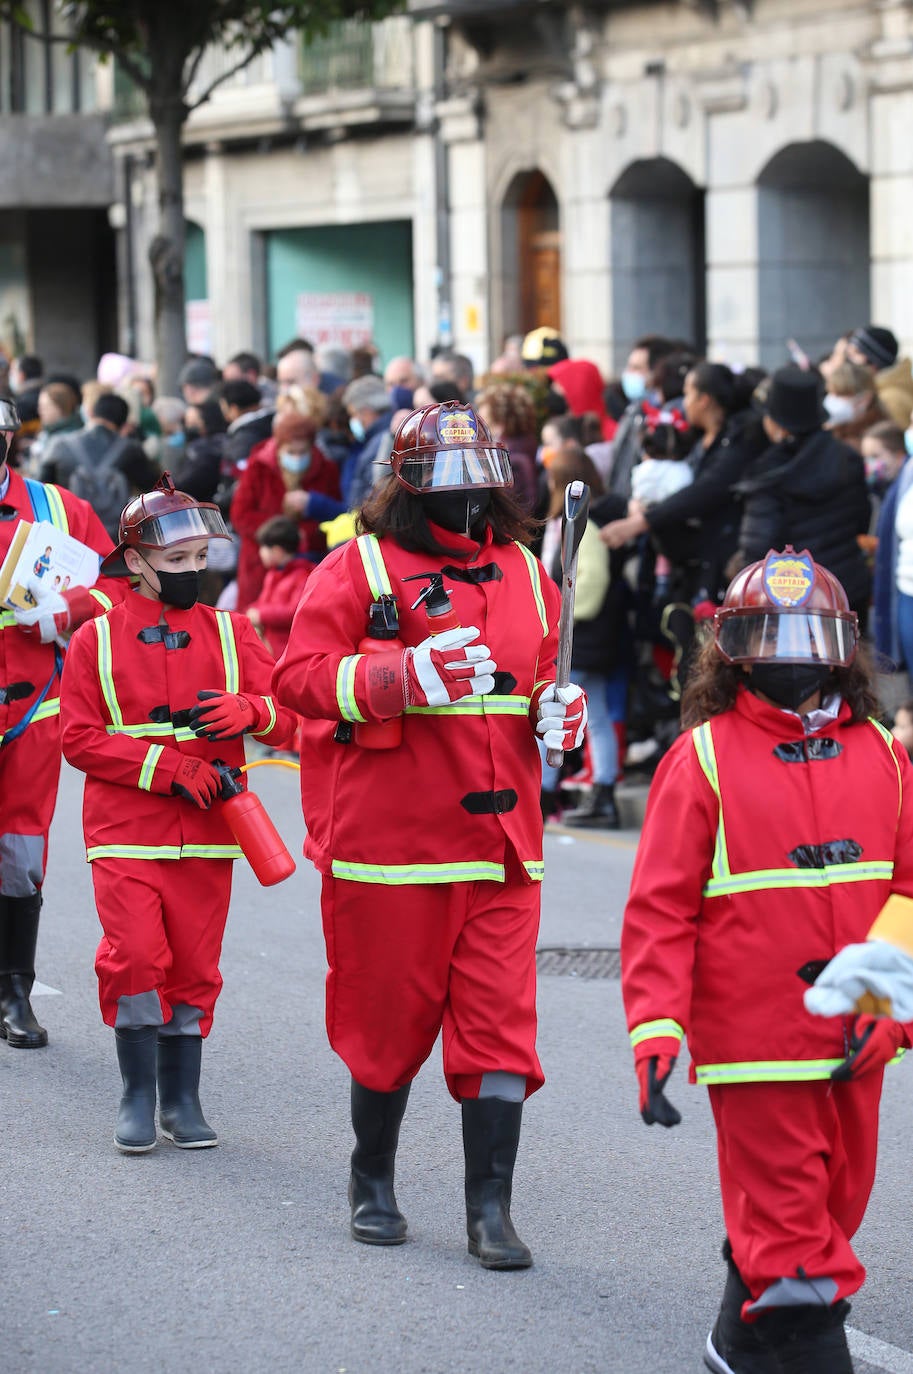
<point>163,715</point>
<point>489,803</point>
<point>159,634</point>
<point>486,572</point>
<point>823,855</point>
<point>504,684</point>
<point>16,691</point>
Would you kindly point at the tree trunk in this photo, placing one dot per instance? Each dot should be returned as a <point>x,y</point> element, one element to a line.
<point>166,251</point>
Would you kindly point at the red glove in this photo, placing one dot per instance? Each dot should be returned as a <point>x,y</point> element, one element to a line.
<point>874,1042</point>
<point>198,781</point>
<point>223,715</point>
<point>561,716</point>
<point>446,667</point>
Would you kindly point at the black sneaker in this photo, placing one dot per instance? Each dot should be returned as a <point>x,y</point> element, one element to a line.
<point>745,1355</point>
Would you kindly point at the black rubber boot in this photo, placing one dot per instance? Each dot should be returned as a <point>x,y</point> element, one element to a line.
<point>180,1114</point>
<point>734,1346</point>
<point>597,812</point>
<point>491,1134</point>
<point>808,1340</point>
<point>18,1024</point>
<point>550,802</point>
<point>135,1132</point>
<point>376,1119</point>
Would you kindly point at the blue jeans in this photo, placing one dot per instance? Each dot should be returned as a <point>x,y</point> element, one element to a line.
<point>905,627</point>
<point>600,730</point>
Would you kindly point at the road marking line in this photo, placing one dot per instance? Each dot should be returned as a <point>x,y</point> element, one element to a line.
<point>889,1357</point>
<point>42,990</point>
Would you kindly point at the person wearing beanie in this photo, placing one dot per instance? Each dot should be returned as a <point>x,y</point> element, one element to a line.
<point>287,474</point>
<point>580,383</point>
<point>874,346</point>
<point>807,489</point>
<point>198,379</point>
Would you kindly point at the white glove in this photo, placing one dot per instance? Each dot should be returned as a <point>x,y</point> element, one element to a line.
<point>446,667</point>
<point>875,967</point>
<point>51,616</point>
<point>562,716</point>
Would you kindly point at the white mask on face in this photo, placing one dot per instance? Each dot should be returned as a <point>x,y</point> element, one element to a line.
<point>841,409</point>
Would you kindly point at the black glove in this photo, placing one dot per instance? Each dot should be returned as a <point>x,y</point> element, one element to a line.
<point>655,1108</point>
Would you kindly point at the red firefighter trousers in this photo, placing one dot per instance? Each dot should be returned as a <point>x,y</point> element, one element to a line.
<point>407,962</point>
<point>797,1164</point>
<point>163,921</point>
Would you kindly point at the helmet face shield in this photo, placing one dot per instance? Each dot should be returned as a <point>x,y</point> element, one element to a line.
<point>758,636</point>
<point>455,469</point>
<point>179,526</point>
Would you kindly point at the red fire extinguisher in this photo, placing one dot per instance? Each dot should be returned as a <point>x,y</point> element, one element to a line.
<point>263,846</point>
<point>382,636</point>
<point>438,606</point>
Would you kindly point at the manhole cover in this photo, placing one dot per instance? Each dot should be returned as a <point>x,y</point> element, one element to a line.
<point>579,963</point>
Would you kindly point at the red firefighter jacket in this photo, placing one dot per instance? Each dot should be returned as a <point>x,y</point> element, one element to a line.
<point>24,660</point>
<point>123,705</point>
<point>762,854</point>
<point>459,797</point>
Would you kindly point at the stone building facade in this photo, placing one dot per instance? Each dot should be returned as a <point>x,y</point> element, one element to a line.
<point>736,172</point>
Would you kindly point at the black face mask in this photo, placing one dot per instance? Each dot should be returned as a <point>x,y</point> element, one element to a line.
<point>457,510</point>
<point>191,433</point>
<point>789,684</point>
<point>181,590</point>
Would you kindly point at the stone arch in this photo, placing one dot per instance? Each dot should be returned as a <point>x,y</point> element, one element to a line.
<point>813,249</point>
<point>531,254</point>
<point>657,256</point>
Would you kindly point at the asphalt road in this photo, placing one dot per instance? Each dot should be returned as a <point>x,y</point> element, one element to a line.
<point>239,1259</point>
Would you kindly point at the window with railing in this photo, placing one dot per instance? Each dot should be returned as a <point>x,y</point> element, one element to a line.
<point>354,55</point>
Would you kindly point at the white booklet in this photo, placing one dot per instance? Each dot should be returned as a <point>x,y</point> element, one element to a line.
<point>43,559</point>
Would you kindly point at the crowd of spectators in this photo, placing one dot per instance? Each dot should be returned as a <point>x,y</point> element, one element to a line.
<point>695,469</point>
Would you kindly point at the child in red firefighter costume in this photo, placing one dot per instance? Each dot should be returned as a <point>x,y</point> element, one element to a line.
<point>431,850</point>
<point>776,828</point>
<point>31,657</point>
<point>134,722</point>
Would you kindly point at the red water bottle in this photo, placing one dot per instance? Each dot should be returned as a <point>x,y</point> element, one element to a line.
<point>382,636</point>
<point>264,848</point>
<point>438,606</point>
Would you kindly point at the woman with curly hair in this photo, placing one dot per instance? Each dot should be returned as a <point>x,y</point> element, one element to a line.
<point>510,414</point>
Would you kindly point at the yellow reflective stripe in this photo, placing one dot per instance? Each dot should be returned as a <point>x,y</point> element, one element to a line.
<point>153,754</point>
<point>373,563</point>
<point>7,618</point>
<point>133,851</point>
<point>229,651</point>
<point>767,1071</point>
<point>774,879</point>
<point>476,706</point>
<point>164,851</point>
<point>153,730</point>
<point>105,673</point>
<point>535,868</point>
<point>345,688</point>
<point>56,508</point>
<point>653,1030</point>
<point>398,875</point>
<point>889,741</point>
<point>271,724</point>
<point>49,707</point>
<point>211,851</point>
<point>702,737</point>
<point>101,598</point>
<point>532,567</point>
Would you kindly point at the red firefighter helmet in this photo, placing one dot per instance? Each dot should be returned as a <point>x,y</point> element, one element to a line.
<point>786,609</point>
<point>447,447</point>
<point>162,517</point>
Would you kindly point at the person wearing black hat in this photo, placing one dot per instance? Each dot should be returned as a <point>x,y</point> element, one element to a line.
<point>874,346</point>
<point>807,489</point>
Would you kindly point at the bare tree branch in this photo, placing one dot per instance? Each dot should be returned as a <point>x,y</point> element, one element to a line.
<point>226,76</point>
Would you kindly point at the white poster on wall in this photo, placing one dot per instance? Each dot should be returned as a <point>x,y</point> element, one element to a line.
<point>198,322</point>
<point>343,318</point>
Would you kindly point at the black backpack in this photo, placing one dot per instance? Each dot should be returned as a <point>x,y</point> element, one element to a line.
<point>101,483</point>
